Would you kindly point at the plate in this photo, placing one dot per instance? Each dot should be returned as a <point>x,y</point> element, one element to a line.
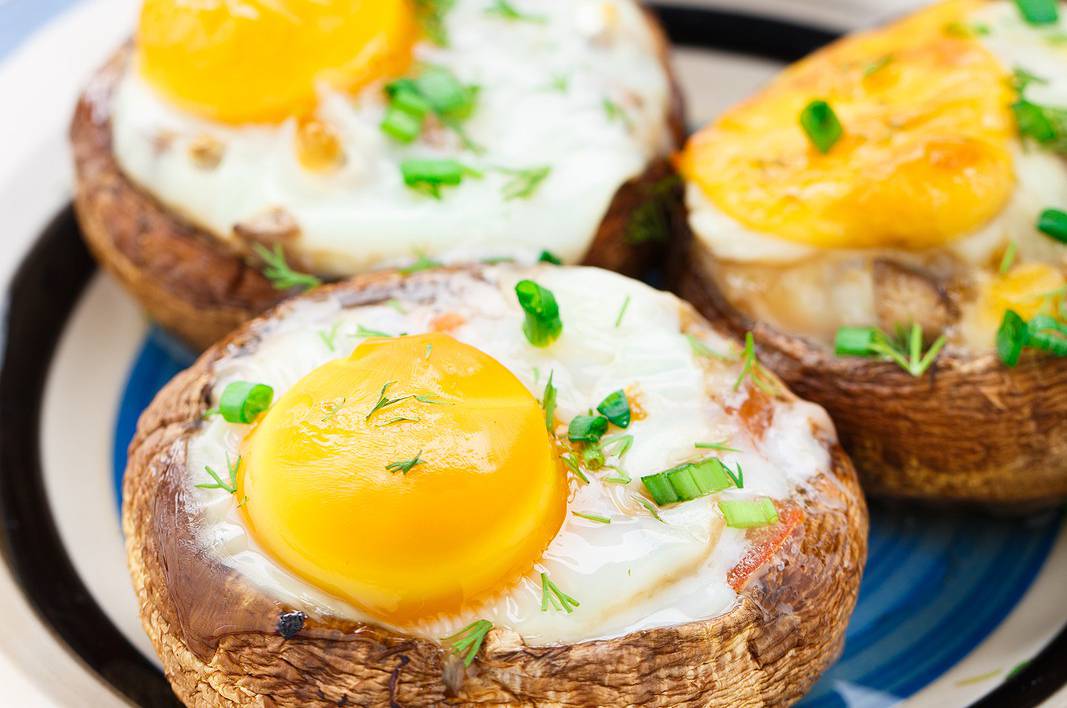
<point>955,609</point>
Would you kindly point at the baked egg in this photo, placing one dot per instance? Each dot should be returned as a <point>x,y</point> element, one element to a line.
<point>906,177</point>
<point>498,448</point>
<point>357,135</point>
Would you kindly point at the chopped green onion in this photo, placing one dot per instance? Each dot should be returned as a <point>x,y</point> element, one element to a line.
<point>748,513</point>
<point>405,466</point>
<point>550,592</point>
<point>855,341</point>
<point>616,408</point>
<point>1021,79</point>
<point>1048,334</point>
<point>622,311</point>
<point>429,176</point>
<point>423,262</point>
<point>821,125</point>
<point>1008,260</point>
<point>467,642</point>
<point>1044,124</point>
<point>617,445</point>
<point>542,324</point>
<point>615,112</point>
<point>651,509</point>
<point>572,465</point>
<point>587,428</point>
<point>1011,338</point>
<point>401,126</point>
<point>549,257</point>
<point>597,518</point>
<point>278,272</point>
<point>243,401</point>
<point>1039,12</point>
<point>446,94</point>
<point>688,481</point>
<point>548,402</point>
<point>1053,222</point>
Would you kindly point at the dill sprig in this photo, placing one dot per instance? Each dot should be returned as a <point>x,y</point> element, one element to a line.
<point>550,593</point>
<point>597,518</point>
<point>506,11</point>
<point>278,272</point>
<point>622,311</point>
<point>467,642</point>
<point>548,402</point>
<point>752,369</point>
<point>717,446</point>
<point>405,466</point>
<point>329,337</point>
<point>219,483</point>
<point>384,401</point>
<point>332,408</point>
<point>523,182</point>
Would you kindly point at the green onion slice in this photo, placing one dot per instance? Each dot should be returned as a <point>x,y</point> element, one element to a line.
<point>243,401</point>
<point>1048,334</point>
<point>1039,12</point>
<point>688,481</point>
<point>855,341</point>
<point>821,124</point>
<point>748,513</point>
<point>542,325</point>
<point>587,428</point>
<point>1011,338</point>
<point>549,257</point>
<point>1053,222</point>
<point>616,408</point>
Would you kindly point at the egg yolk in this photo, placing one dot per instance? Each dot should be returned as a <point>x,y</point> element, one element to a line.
<point>925,155</point>
<point>413,478</point>
<point>240,61</point>
<point>1029,289</point>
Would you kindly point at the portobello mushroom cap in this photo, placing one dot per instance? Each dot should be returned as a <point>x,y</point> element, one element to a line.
<point>200,288</point>
<point>970,431</point>
<point>785,628</point>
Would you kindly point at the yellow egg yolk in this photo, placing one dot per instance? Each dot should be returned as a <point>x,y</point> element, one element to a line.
<point>413,478</point>
<point>1030,289</point>
<point>925,156</point>
<point>241,61</point>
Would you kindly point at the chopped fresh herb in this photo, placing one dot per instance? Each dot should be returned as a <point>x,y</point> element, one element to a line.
<point>1008,259</point>
<point>1015,670</point>
<point>821,125</point>
<point>651,509</point>
<point>398,419</point>
<point>621,477</point>
<point>701,349</point>
<point>1053,223</point>
<point>871,341</point>
<point>332,409</point>
<point>965,31</point>
<point>542,324</point>
<point>719,446</point>
<point>1021,79</point>
<point>574,467</point>
<point>406,113</point>
<point>431,18</point>
<point>384,401</point>
<point>548,402</point>
<point>877,65</point>
<point>497,260</point>
<point>752,369</point>
<point>616,408</point>
<point>748,513</point>
<point>597,518</point>
<point>423,262</point>
<point>405,466</point>
<point>429,176</point>
<point>549,257</point>
<point>560,83</point>
<point>622,311</point>
<point>615,112</point>
<point>467,642</point>
<point>243,401</point>
<point>737,477</point>
<point>523,182</point>
<point>688,481</point>
<point>1011,338</point>
<point>550,592</point>
<point>587,428</point>
<point>232,468</point>
<point>396,305</point>
<point>429,351</point>
<point>651,221</point>
<point>506,11</point>
<point>1047,334</point>
<point>1039,12</point>
<point>1045,125</point>
<point>617,445</point>
<point>423,398</point>
<point>446,95</point>
<point>278,272</point>
<point>363,332</point>
<point>329,336</point>
<point>434,90</point>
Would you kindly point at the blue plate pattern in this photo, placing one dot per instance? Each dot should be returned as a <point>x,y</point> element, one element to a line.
<point>936,583</point>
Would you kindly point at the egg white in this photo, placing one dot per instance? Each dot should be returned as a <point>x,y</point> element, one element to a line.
<point>362,215</point>
<point>637,572</point>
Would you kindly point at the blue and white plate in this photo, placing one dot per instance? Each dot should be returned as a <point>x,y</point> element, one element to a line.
<point>955,609</point>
